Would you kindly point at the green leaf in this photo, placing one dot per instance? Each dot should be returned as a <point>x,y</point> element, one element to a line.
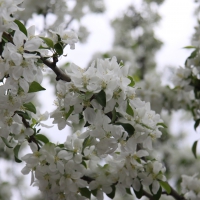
<point>59,49</point>
<point>194,148</point>
<point>193,54</point>
<point>42,138</point>
<point>132,83</point>
<point>161,124</point>
<point>61,145</point>
<point>106,55</point>
<point>30,107</point>
<point>129,110</point>
<point>21,26</point>
<point>139,193</point>
<point>69,112</point>
<point>6,142</point>
<point>23,114</point>
<point>197,122</point>
<point>35,87</point>
<point>112,194</point>
<point>127,127</point>
<point>114,116</point>
<point>121,63</point>
<point>84,164</point>
<point>16,151</point>
<point>189,47</point>
<point>85,192</point>
<point>94,192</point>
<point>48,42</point>
<point>101,98</point>
<point>128,191</point>
<point>166,186</point>
<point>157,195</point>
<point>87,142</point>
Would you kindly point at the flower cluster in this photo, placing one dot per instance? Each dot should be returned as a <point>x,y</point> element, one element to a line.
<point>118,127</point>
<point>7,8</point>
<point>190,187</point>
<point>21,71</point>
<point>113,129</point>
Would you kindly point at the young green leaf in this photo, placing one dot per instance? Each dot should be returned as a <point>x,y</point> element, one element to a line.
<point>85,192</point>
<point>128,191</point>
<point>101,98</point>
<point>129,110</point>
<point>127,127</point>
<point>35,87</point>
<point>30,107</point>
<point>69,112</point>
<point>59,49</point>
<point>23,114</point>
<point>193,54</point>
<point>42,138</point>
<point>21,26</point>
<point>48,42</point>
<point>194,148</point>
<point>87,142</point>
<point>132,83</point>
<point>84,164</point>
<point>166,186</point>
<point>161,124</point>
<point>114,116</point>
<point>189,47</point>
<point>61,145</point>
<point>196,123</point>
<point>16,151</point>
<point>6,142</point>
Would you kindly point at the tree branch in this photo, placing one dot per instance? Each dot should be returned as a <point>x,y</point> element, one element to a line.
<point>175,194</point>
<point>60,74</point>
<point>148,195</point>
<point>8,37</point>
<point>27,125</point>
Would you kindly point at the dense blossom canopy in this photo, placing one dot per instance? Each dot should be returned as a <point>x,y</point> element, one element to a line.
<point>112,146</point>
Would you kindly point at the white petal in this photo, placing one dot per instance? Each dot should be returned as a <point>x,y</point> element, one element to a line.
<point>89,114</point>
<point>78,158</point>
<point>65,155</point>
<point>155,186</point>
<point>33,146</point>
<point>25,170</point>
<point>24,85</point>
<point>142,153</point>
<point>136,184</point>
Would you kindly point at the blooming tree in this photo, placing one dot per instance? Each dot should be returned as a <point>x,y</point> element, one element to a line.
<point>112,148</point>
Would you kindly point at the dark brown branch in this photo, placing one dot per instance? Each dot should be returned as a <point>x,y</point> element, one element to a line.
<point>176,195</point>
<point>149,196</point>
<point>60,74</point>
<point>7,37</point>
<point>32,139</point>
<point>27,125</point>
<point>87,178</point>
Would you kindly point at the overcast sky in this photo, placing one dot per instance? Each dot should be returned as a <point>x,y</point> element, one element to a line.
<point>175,30</point>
